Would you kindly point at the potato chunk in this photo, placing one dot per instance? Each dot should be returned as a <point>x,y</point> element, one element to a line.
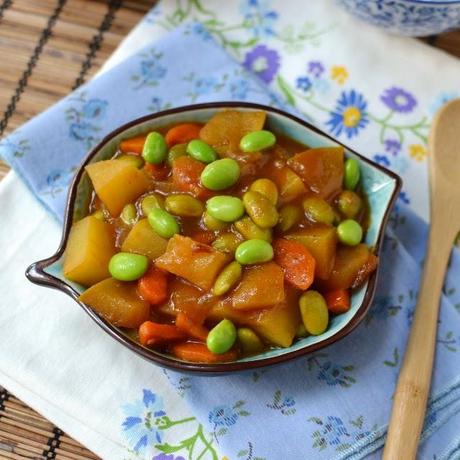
<point>261,286</point>
<point>352,267</point>
<point>90,246</point>
<point>225,129</point>
<point>193,261</point>
<point>118,302</point>
<point>290,185</point>
<point>321,169</point>
<point>321,241</point>
<point>117,183</point>
<point>143,240</point>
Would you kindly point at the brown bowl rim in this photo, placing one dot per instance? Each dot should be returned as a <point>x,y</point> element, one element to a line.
<point>36,272</point>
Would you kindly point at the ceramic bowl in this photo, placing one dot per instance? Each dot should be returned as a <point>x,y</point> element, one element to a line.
<point>415,18</point>
<point>380,185</point>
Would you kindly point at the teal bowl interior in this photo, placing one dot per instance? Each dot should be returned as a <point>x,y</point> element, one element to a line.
<point>380,186</point>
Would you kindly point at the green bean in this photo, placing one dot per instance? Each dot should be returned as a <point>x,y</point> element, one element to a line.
<point>163,223</point>
<point>151,202</point>
<point>125,266</point>
<point>318,210</point>
<point>221,337</point>
<point>260,209</point>
<point>257,140</point>
<point>249,341</point>
<point>201,151</point>
<point>227,242</point>
<point>176,151</point>
<point>254,252</point>
<point>267,188</point>
<point>351,174</point>
<point>184,205</point>
<point>136,160</point>
<point>129,214</point>
<point>225,208</point>
<point>220,174</point>
<point>227,278</point>
<point>290,214</point>
<point>211,223</point>
<point>155,148</point>
<point>315,315</point>
<point>349,203</point>
<point>251,231</point>
<point>349,232</point>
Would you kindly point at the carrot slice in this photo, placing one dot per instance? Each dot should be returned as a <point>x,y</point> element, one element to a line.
<point>338,301</point>
<point>186,174</point>
<point>183,133</point>
<point>191,328</point>
<point>205,237</point>
<point>151,333</point>
<point>133,145</point>
<point>158,172</point>
<point>297,262</point>
<point>199,353</point>
<point>153,286</point>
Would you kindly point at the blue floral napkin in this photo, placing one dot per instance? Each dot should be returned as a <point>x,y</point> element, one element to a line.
<point>332,404</point>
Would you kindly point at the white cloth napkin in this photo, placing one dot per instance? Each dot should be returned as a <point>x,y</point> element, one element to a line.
<point>53,357</point>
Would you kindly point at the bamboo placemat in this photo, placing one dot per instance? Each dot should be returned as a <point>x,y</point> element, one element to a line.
<point>48,48</point>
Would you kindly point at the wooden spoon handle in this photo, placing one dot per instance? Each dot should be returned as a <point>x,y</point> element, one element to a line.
<point>413,385</point>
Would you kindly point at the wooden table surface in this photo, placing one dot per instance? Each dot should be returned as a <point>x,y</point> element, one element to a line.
<point>48,48</point>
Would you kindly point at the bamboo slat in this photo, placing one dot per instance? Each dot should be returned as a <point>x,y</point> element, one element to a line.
<point>25,434</point>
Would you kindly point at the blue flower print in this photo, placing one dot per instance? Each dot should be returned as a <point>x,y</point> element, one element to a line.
<point>383,308</point>
<point>239,88</point>
<point>334,374</point>
<point>349,116</point>
<point>82,131</point>
<point>56,182</point>
<point>321,85</point>
<point>203,85</point>
<point>157,104</point>
<point>259,17</point>
<point>94,108</point>
<point>223,416</point>
<point>15,148</point>
<point>167,457</point>
<point>392,146</point>
<point>198,29</point>
<point>303,83</point>
<point>140,426</point>
<point>333,432</point>
<point>381,159</point>
<point>398,99</point>
<point>403,197</point>
<point>315,68</point>
<point>151,71</point>
<point>284,405</point>
<point>263,62</point>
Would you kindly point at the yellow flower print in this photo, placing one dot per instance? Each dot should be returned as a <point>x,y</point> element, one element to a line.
<point>339,74</point>
<point>417,152</point>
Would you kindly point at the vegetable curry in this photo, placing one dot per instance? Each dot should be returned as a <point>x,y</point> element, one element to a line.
<point>219,240</point>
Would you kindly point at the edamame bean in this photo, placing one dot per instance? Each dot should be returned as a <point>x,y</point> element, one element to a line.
<point>254,252</point>
<point>225,208</point>
<point>125,266</point>
<point>249,341</point>
<point>227,242</point>
<point>128,214</point>
<point>151,202</point>
<point>99,214</point>
<point>201,151</point>
<point>289,215</point>
<point>176,151</point>
<point>349,203</point>
<point>221,337</point>
<point>136,160</point>
<point>155,148</point>
<point>251,231</point>
<point>211,223</point>
<point>163,223</point>
<point>220,174</point>
<point>301,331</point>
<point>314,312</point>
<point>318,210</point>
<point>184,205</point>
<point>267,188</point>
<point>351,173</point>
<point>257,140</point>
<point>349,232</point>
<point>227,278</point>
<point>260,209</point>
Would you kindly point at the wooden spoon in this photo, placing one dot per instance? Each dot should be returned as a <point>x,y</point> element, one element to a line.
<point>413,385</point>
